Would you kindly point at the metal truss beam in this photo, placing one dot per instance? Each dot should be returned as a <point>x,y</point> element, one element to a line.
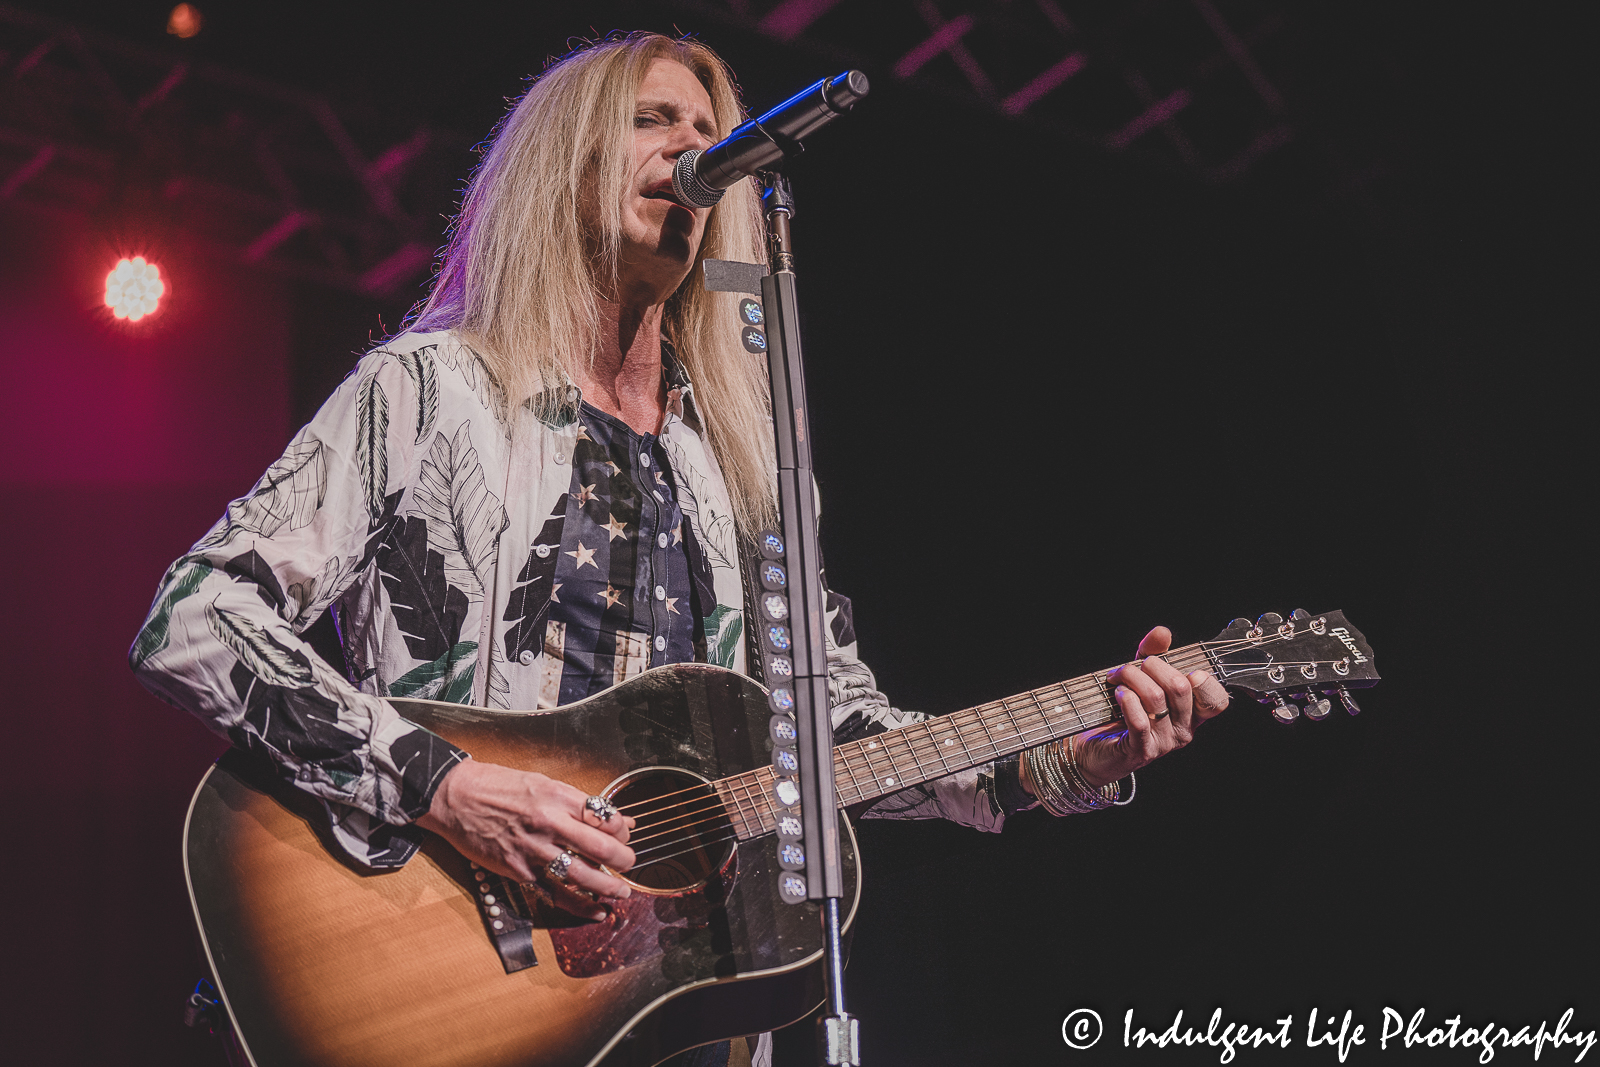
<point>1106,75</point>
<point>255,171</point>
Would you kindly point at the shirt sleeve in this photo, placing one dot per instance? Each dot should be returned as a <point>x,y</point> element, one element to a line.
<point>222,639</point>
<point>980,797</point>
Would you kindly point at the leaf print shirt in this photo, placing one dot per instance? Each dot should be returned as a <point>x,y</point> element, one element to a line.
<point>414,507</point>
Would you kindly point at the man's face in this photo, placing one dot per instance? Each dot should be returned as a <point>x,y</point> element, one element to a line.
<point>660,237</point>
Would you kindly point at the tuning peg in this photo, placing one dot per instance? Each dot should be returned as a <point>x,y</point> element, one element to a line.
<point>1317,706</point>
<point>1347,700</point>
<point>1282,710</point>
<point>1265,625</point>
<point>1299,613</point>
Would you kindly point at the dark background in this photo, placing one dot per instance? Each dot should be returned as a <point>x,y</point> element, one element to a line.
<point>1058,398</point>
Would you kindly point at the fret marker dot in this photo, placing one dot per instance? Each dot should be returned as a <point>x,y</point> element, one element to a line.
<point>949,742</point>
<point>872,744</point>
<point>888,781</point>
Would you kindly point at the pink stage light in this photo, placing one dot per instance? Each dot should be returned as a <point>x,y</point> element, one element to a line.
<point>134,288</point>
<point>184,20</point>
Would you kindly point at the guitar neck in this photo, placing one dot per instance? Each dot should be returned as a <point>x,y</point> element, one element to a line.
<point>886,763</point>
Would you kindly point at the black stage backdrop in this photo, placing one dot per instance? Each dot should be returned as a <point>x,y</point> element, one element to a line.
<point>1055,404</point>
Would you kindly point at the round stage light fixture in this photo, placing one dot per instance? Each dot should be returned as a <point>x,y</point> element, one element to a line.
<point>134,288</point>
<point>184,21</point>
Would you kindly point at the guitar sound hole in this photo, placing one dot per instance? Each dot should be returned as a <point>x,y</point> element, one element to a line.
<point>683,835</point>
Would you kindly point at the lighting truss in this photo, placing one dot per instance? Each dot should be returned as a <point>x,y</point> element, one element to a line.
<point>1186,84</point>
<point>258,172</point>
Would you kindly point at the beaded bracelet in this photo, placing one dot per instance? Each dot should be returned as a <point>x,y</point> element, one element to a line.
<point>1060,786</point>
<point>1104,797</point>
<point>1048,787</point>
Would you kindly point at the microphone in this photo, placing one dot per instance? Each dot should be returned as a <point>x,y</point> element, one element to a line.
<point>699,178</point>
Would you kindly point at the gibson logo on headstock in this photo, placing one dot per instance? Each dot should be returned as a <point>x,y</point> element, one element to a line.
<point>1344,635</point>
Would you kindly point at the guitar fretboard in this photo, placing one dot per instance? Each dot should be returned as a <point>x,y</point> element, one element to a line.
<point>898,759</point>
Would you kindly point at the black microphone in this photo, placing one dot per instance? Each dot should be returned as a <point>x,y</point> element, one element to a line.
<point>699,178</point>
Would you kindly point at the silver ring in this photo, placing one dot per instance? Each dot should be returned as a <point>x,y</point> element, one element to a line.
<point>600,808</point>
<point>559,866</point>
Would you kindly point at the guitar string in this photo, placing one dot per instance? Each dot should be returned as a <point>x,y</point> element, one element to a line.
<point>913,741</point>
<point>943,718</point>
<point>683,852</point>
<point>1203,647</point>
<point>718,810</point>
<point>979,716</point>
<point>913,746</point>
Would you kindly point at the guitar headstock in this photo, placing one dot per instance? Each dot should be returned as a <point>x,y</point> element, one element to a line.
<point>1305,658</point>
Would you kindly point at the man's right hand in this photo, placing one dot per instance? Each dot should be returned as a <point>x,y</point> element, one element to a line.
<point>516,822</point>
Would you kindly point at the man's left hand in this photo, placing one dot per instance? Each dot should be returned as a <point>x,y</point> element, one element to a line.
<point>1161,708</point>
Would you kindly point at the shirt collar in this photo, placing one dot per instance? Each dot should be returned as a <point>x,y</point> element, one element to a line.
<point>557,407</point>
<point>680,390</point>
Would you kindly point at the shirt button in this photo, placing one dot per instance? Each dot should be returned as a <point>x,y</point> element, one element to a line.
<point>659,498</point>
<point>644,458</point>
<point>661,644</point>
<point>661,592</point>
<point>661,539</point>
<point>542,551</point>
<point>560,457</point>
<point>526,657</point>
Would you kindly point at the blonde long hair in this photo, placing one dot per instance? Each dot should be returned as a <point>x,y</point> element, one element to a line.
<point>520,273</point>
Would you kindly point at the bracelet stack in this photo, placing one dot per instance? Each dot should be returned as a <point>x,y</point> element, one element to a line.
<point>1060,785</point>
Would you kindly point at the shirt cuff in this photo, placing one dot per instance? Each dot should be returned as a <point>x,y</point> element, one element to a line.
<point>423,758</point>
<point>1006,795</point>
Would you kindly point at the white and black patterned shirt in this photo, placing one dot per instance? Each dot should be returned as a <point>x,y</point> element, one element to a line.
<point>413,506</point>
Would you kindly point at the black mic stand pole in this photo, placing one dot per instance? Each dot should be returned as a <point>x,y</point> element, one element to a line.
<point>798,509</point>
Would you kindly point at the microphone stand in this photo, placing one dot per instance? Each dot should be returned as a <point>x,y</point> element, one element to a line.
<point>798,510</point>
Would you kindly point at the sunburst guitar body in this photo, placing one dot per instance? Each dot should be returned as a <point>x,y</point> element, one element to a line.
<point>321,961</point>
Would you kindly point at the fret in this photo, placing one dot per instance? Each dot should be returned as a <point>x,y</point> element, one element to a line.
<point>761,785</point>
<point>984,723</point>
<point>941,748</point>
<point>1107,693</point>
<point>861,771</point>
<point>897,759</point>
<point>728,797</point>
<point>1072,703</point>
<point>747,803</point>
<point>896,777</point>
<point>911,746</point>
<point>757,798</point>
<point>1011,718</point>
<point>844,776</point>
<point>881,782</point>
<point>1191,656</point>
<point>866,775</point>
<point>1045,730</point>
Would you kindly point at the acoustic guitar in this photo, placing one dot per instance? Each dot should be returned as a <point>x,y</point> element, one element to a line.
<point>322,962</point>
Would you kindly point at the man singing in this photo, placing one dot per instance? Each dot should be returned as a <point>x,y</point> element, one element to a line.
<point>542,488</point>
